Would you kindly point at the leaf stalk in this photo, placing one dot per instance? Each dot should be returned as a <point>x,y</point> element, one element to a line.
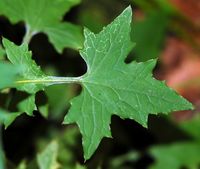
<point>52,80</point>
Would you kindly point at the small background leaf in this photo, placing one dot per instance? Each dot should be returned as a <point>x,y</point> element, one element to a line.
<point>7,118</point>
<point>176,155</point>
<point>2,53</point>
<point>48,158</point>
<point>148,34</point>
<point>45,16</point>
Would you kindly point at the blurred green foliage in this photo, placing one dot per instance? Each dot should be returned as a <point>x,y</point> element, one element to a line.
<point>149,35</point>
<point>149,32</point>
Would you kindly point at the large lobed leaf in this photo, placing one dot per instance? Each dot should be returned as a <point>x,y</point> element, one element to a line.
<point>112,87</point>
<point>45,16</point>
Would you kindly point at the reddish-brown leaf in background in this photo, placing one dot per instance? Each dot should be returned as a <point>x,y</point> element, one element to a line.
<point>190,9</point>
<point>180,66</point>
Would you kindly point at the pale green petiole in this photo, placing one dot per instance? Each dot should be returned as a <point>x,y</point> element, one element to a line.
<point>52,80</point>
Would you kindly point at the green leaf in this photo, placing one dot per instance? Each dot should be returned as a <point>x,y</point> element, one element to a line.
<point>58,97</point>
<point>65,35</point>
<point>8,73</point>
<point>192,127</point>
<point>166,6</point>
<point>176,156</point>
<point>29,78</point>
<point>155,5</point>
<point>2,53</point>
<point>47,158</point>
<point>144,5</point>
<point>78,166</point>
<point>67,140</point>
<point>92,18</point>
<point>21,57</point>
<point>7,118</point>
<point>149,36</point>
<point>27,105</point>
<point>117,162</point>
<point>112,87</point>
<point>22,165</point>
<point>45,16</point>
<point>44,110</point>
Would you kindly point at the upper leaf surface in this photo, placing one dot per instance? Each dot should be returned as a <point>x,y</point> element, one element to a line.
<point>23,73</point>
<point>8,74</point>
<point>21,57</point>
<point>112,87</point>
<point>27,105</point>
<point>37,14</point>
<point>45,16</point>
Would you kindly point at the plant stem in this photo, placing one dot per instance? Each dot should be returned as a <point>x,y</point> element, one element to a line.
<point>52,80</point>
<point>28,35</point>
